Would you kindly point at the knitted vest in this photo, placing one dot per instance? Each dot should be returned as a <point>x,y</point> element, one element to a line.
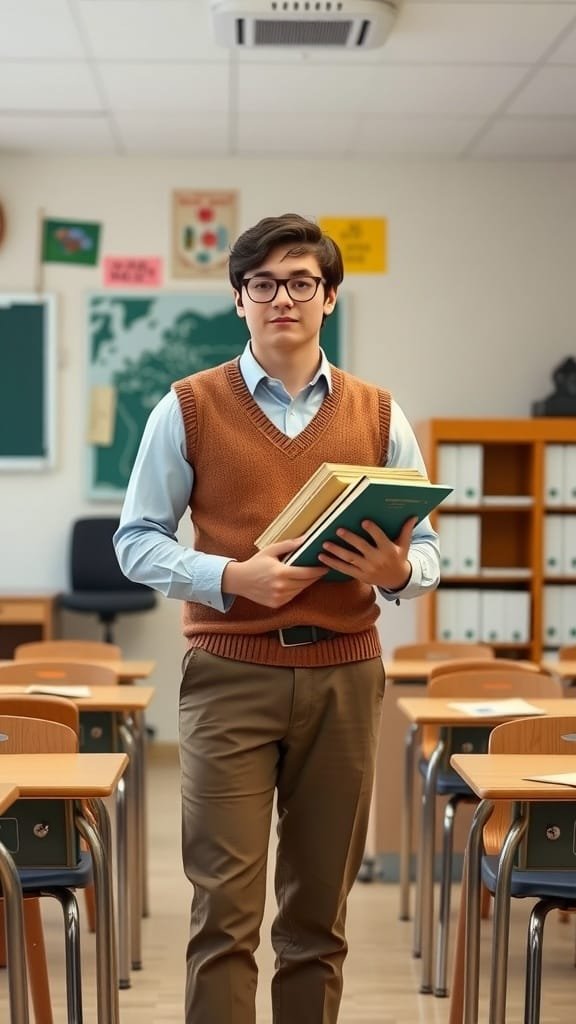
<point>245,472</point>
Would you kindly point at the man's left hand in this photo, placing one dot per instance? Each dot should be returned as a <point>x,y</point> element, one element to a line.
<point>381,562</point>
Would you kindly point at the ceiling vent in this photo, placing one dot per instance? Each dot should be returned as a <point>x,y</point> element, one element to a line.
<point>303,24</point>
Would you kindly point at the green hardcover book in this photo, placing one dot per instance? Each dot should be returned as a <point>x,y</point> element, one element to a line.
<point>386,503</point>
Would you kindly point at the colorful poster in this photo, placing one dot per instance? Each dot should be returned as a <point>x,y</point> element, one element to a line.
<point>132,271</point>
<point>362,240</point>
<point>70,241</point>
<point>204,225</point>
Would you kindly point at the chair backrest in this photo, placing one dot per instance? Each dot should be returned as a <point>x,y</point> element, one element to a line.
<point>438,650</point>
<point>35,736</point>
<point>541,735</point>
<point>567,653</point>
<point>93,562</point>
<point>484,665</point>
<point>482,684</point>
<point>32,705</point>
<point>56,673</point>
<point>68,650</point>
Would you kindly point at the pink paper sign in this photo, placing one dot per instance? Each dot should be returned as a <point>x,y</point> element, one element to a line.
<point>132,271</point>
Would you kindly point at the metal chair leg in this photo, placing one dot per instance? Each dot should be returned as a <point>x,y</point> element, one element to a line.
<point>67,901</point>
<point>534,945</point>
<point>440,987</point>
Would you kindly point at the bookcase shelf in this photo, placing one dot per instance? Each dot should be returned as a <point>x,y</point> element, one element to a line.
<point>514,493</point>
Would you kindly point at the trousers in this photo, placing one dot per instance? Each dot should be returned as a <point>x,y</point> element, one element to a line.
<point>248,732</point>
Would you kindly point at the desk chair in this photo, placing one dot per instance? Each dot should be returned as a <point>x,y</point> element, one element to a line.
<point>98,586</point>
<point>67,650</point>
<point>441,650</point>
<point>27,735</point>
<point>551,888</point>
<point>483,665</point>
<point>486,683</point>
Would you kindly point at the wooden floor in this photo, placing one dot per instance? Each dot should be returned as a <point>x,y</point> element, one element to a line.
<point>381,978</point>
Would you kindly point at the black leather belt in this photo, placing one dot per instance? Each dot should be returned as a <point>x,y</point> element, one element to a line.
<point>297,636</point>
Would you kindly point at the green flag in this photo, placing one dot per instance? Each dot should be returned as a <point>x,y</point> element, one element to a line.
<point>70,241</point>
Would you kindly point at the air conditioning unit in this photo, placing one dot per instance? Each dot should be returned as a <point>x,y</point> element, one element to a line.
<point>303,24</point>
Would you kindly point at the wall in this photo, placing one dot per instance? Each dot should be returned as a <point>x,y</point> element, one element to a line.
<point>477,308</point>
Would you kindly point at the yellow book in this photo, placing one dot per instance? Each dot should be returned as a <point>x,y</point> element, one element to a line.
<point>325,485</point>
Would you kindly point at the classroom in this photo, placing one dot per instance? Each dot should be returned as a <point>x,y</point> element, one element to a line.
<point>438,148</point>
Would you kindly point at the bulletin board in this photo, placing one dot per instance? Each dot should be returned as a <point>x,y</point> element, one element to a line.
<point>28,348</point>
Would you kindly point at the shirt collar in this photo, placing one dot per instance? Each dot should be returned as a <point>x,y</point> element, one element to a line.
<point>253,373</point>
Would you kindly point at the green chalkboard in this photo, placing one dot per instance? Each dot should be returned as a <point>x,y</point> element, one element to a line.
<point>139,345</point>
<point>27,381</point>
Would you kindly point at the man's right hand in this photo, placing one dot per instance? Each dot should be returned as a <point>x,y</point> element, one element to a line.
<point>266,580</point>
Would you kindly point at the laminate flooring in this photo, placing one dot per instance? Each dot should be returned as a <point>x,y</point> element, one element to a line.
<point>381,977</point>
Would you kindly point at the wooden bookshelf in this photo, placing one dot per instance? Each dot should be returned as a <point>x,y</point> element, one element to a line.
<point>512,510</point>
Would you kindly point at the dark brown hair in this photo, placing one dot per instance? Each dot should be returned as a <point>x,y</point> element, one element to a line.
<point>253,247</point>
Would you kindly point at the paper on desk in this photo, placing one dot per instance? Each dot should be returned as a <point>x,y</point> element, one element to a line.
<point>59,691</point>
<point>506,707</point>
<point>564,779</point>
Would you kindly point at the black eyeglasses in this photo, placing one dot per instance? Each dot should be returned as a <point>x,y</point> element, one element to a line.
<point>265,289</point>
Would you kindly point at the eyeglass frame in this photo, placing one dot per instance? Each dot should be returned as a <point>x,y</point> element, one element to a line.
<point>285,281</point>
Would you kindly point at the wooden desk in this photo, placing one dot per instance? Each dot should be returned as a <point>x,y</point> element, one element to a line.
<point>498,777</point>
<point>127,671</point>
<point>437,711</point>
<point>14,921</point>
<point>25,617</point>
<point>126,703</point>
<point>79,777</point>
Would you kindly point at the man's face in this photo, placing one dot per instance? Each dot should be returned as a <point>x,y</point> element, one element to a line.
<point>285,323</point>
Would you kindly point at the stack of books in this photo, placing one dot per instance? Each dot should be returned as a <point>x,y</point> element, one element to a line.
<point>339,495</point>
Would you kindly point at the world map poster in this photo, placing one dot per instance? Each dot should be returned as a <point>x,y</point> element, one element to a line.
<point>138,346</point>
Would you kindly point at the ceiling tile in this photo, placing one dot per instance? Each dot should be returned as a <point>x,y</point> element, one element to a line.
<point>38,28</point>
<point>529,137</point>
<point>488,33</point>
<point>294,135</point>
<point>56,134</point>
<point>439,90</point>
<point>47,86</point>
<point>150,29</point>
<point>426,136</point>
<point>283,89</point>
<point>173,134</point>
<point>552,90</point>
<point>170,87</point>
<point>565,52</point>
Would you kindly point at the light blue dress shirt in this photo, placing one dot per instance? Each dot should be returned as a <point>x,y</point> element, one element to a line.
<point>162,480</point>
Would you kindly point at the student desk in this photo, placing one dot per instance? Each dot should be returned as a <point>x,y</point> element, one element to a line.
<point>563,669</point>
<point>499,777</point>
<point>437,711</point>
<point>125,702</point>
<point>80,778</point>
<point>127,671</point>
<point>14,921</point>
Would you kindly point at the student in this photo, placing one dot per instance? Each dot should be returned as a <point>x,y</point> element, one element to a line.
<point>283,679</point>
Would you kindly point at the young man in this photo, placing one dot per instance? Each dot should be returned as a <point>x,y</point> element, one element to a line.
<point>283,679</point>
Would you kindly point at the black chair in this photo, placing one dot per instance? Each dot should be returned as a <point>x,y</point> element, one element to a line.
<point>98,586</point>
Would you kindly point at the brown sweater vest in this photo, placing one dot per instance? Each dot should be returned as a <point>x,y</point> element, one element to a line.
<point>245,472</point>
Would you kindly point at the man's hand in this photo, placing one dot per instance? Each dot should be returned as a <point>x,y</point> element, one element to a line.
<point>266,580</point>
<point>380,562</point>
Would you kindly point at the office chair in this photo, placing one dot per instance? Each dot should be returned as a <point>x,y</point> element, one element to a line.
<point>98,586</point>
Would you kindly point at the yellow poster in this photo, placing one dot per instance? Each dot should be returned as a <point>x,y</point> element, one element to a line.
<point>362,240</point>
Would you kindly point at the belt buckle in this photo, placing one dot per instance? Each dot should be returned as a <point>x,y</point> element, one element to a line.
<point>297,643</point>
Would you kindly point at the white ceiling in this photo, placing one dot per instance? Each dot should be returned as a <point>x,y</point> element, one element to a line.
<point>455,79</point>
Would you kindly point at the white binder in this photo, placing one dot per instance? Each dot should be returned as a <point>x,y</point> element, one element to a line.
<point>468,616</point>
<point>552,623</point>
<point>492,616</point>
<point>554,474</point>
<point>446,606</point>
<point>553,545</point>
<point>448,534</point>
<point>568,564</point>
<point>568,601</point>
<point>448,470</point>
<point>470,474</point>
<point>468,546</point>
<point>516,616</point>
<point>569,489</point>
